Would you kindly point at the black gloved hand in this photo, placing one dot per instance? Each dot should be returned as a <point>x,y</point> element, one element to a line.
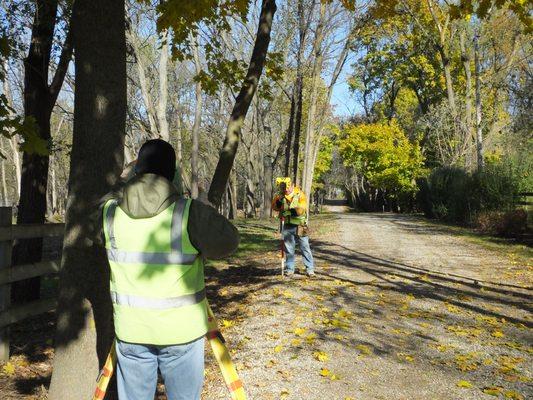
<point>279,203</point>
<point>293,212</point>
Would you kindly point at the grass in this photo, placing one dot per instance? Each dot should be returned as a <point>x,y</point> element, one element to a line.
<point>258,236</point>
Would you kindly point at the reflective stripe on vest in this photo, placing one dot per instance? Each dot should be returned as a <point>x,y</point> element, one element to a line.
<point>136,257</point>
<point>156,303</point>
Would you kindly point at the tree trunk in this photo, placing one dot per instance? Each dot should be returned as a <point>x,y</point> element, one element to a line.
<point>197,121</point>
<point>445,59</point>
<point>297,131</point>
<point>84,328</point>
<point>290,133</point>
<point>53,191</point>
<point>242,103</point>
<point>479,131</point>
<point>302,27</point>
<point>250,198</point>
<point>13,140</point>
<point>163,88</point>
<point>39,99</point>
<point>448,78</point>
<point>5,195</point>
<point>52,194</point>
<point>232,187</point>
<point>267,188</point>
<point>145,91</point>
<point>16,161</point>
<point>466,59</point>
<point>313,99</point>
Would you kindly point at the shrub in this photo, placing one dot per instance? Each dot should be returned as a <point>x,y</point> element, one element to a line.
<point>502,223</point>
<point>448,198</point>
<point>454,195</point>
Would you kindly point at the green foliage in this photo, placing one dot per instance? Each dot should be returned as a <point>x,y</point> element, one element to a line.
<point>186,17</point>
<point>11,124</point>
<point>482,8</point>
<point>231,72</point>
<point>383,155</point>
<point>399,52</point>
<point>33,143</point>
<point>7,122</point>
<point>323,161</point>
<point>454,195</point>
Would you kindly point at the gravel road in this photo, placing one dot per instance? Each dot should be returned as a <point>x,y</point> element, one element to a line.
<point>400,309</point>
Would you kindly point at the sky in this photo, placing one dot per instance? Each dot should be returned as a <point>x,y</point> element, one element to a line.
<point>342,100</point>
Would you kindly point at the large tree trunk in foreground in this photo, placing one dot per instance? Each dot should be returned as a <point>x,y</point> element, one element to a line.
<point>84,327</point>
<point>242,103</point>
<point>39,100</point>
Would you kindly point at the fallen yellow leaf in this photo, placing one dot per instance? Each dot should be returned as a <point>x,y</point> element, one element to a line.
<point>287,294</point>
<point>296,342</point>
<point>493,390</point>
<point>511,394</point>
<point>324,372</point>
<point>497,334</point>
<point>321,356</point>
<point>227,323</point>
<point>464,384</point>
<point>334,377</point>
<point>310,338</point>
<point>8,369</point>
<point>299,331</point>
<point>278,348</point>
<point>364,349</point>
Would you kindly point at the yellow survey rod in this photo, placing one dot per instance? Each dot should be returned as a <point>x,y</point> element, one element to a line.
<point>105,374</point>
<point>220,351</point>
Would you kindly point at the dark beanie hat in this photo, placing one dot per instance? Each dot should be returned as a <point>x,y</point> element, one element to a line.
<point>156,157</point>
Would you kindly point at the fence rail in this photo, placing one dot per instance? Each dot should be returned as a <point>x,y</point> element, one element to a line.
<point>526,202</point>
<point>8,274</point>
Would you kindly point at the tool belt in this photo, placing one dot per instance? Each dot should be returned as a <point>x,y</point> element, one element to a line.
<point>302,230</point>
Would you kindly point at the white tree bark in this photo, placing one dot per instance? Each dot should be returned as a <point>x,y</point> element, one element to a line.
<point>479,132</point>
<point>163,88</point>
<point>197,121</point>
<point>311,114</point>
<point>5,195</point>
<point>143,81</point>
<point>13,141</point>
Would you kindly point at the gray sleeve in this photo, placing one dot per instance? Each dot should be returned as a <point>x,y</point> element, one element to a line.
<point>211,233</point>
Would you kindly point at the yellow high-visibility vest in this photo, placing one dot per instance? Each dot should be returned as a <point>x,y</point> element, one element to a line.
<point>157,276</point>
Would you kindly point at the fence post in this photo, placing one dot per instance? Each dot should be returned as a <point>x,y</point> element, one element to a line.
<point>6,215</point>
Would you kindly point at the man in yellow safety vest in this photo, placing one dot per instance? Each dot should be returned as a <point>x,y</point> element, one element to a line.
<point>156,241</point>
<point>291,203</point>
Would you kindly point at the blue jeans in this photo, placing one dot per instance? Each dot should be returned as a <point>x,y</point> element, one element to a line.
<point>290,238</point>
<point>182,368</point>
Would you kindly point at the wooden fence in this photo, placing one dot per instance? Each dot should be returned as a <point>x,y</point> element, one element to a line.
<point>9,274</point>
